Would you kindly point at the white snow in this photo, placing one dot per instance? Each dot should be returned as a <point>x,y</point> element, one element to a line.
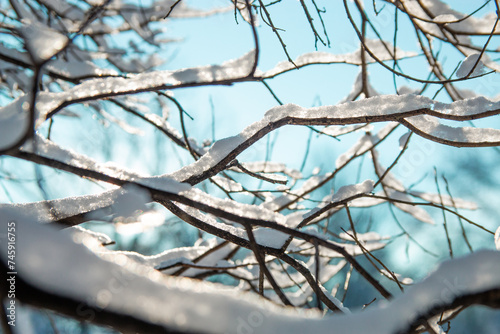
<point>52,150</point>
<point>271,167</point>
<point>445,200</point>
<point>178,255</point>
<point>270,238</point>
<point>327,271</point>
<point>368,236</point>
<point>414,210</point>
<point>338,130</point>
<point>130,201</point>
<point>98,87</point>
<point>445,18</point>
<point>233,207</point>
<point>404,139</point>
<point>75,69</point>
<point>163,183</point>
<point>14,122</point>
<point>219,150</point>
<point>389,179</point>
<point>401,279</point>
<point>187,305</point>
<point>466,66</point>
<point>458,136</point>
<point>366,201</point>
<point>375,46</point>
<point>102,238</point>
<point>352,190</point>
<point>497,238</point>
<point>443,13</point>
<point>41,41</point>
<point>47,211</point>
<point>357,89</point>
<point>273,203</point>
<point>363,144</point>
<point>342,194</point>
<point>227,184</point>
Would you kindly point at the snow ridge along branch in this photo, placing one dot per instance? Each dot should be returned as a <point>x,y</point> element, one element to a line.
<point>420,114</point>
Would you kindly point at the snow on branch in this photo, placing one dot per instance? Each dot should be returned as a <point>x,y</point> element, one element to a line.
<point>181,304</point>
<point>413,111</point>
<point>228,72</point>
<point>381,50</point>
<point>430,14</point>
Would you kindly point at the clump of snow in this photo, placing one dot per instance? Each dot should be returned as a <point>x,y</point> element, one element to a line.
<point>445,200</point>
<point>270,238</point>
<point>414,210</point>
<point>403,139</point>
<point>364,202</point>
<point>364,143</point>
<point>234,208</point>
<point>163,183</point>
<point>75,69</point>
<point>338,130</point>
<point>497,238</point>
<point>14,122</point>
<point>227,184</point>
<point>141,223</point>
<point>41,41</point>
<point>400,278</point>
<point>352,190</point>
<point>466,66</point>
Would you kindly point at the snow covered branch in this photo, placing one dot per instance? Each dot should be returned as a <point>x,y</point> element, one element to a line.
<point>108,288</point>
<point>129,201</point>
